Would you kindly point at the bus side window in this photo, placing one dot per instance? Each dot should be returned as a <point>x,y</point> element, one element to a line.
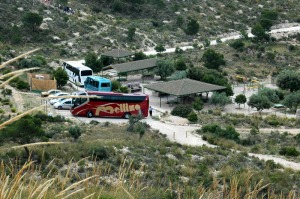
<point>103,85</point>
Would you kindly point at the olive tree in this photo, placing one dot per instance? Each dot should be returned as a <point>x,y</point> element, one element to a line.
<point>164,68</point>
<point>259,102</point>
<point>61,77</point>
<point>240,99</point>
<point>213,59</point>
<point>289,80</point>
<point>292,101</point>
<point>32,20</point>
<point>220,99</point>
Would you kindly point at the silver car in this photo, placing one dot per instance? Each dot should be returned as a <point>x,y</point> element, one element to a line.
<point>64,104</point>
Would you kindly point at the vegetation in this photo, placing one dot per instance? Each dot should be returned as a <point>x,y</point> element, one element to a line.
<point>61,77</point>
<point>220,99</point>
<point>182,110</point>
<point>213,59</point>
<point>240,99</point>
<point>32,20</point>
<point>164,68</point>
<point>259,102</point>
<point>289,80</point>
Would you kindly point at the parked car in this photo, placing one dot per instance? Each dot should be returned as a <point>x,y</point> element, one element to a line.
<point>64,104</point>
<point>50,92</point>
<point>59,97</point>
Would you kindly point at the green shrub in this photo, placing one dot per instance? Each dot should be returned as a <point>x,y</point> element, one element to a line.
<point>6,91</point>
<point>182,110</point>
<point>289,151</point>
<point>100,153</point>
<point>75,131</point>
<point>192,117</point>
<point>2,111</point>
<point>13,109</point>
<point>229,132</point>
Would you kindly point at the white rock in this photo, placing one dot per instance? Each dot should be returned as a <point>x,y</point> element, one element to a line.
<point>185,9</point>
<point>56,38</point>
<point>70,44</point>
<point>48,19</point>
<point>21,9</point>
<point>170,156</point>
<point>76,34</point>
<point>44,26</point>
<point>94,27</point>
<point>218,17</point>
<point>47,12</point>
<point>260,6</point>
<point>239,12</point>
<point>184,179</point>
<point>178,13</point>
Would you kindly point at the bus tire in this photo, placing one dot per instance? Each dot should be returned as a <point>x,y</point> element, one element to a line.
<point>59,108</point>
<point>89,114</point>
<point>127,115</point>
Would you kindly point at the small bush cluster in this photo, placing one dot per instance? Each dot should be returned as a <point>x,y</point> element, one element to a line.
<point>182,110</point>
<point>289,151</point>
<point>229,132</point>
<point>75,132</point>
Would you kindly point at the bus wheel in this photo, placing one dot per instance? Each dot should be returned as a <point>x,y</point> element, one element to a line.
<point>89,114</point>
<point>59,108</point>
<point>127,115</point>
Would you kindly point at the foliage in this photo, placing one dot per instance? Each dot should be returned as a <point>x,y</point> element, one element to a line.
<point>192,27</point>
<point>178,50</point>
<point>139,56</point>
<point>75,131</point>
<point>23,131</point>
<point>100,153</point>
<point>178,75</point>
<point>213,59</point>
<point>192,117</point>
<point>182,110</point>
<point>33,20</point>
<point>164,68</point>
<point>270,94</point>
<point>240,99</point>
<point>131,33</point>
<point>210,76</point>
<point>198,104</point>
<point>180,64</point>
<point>61,77</point>
<point>237,45</point>
<point>267,18</point>
<point>229,132</point>
<point>136,125</point>
<point>92,61</point>
<point>289,151</point>
<point>292,101</point>
<point>289,79</point>
<point>6,91</point>
<point>220,99</point>
<point>259,102</point>
<point>19,84</point>
<point>159,48</point>
<point>259,32</point>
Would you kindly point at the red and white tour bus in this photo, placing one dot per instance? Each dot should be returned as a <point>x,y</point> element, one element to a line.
<point>110,104</point>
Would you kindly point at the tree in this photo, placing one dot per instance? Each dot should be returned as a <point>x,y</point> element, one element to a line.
<point>164,68</point>
<point>259,102</point>
<point>159,48</point>
<point>210,76</point>
<point>92,61</point>
<point>139,56</point>
<point>23,131</point>
<point>259,32</point>
<point>198,104</point>
<point>220,99</point>
<point>292,101</point>
<point>237,45</point>
<point>212,59</point>
<point>192,27</point>
<point>131,33</point>
<point>33,20</point>
<point>240,99</point>
<point>61,77</point>
<point>270,94</point>
<point>289,80</point>
<point>180,64</point>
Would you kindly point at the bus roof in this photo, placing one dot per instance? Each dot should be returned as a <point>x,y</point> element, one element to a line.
<point>78,64</point>
<point>98,78</point>
<point>114,93</point>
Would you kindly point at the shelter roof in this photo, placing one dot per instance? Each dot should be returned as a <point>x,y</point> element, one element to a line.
<point>135,65</point>
<point>117,53</point>
<point>183,87</point>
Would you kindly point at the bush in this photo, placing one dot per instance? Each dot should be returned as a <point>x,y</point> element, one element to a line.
<point>289,151</point>
<point>192,117</point>
<point>229,132</point>
<point>182,110</point>
<point>100,153</point>
<point>75,131</point>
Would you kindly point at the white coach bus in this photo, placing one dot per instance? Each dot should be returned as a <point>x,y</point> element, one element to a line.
<point>77,72</point>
